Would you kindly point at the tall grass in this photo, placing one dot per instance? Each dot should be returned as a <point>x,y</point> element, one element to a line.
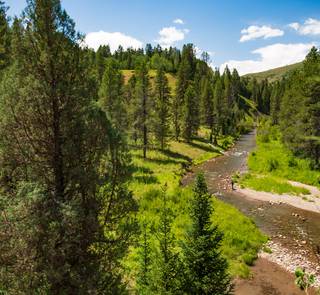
<point>272,164</point>
<point>242,238</point>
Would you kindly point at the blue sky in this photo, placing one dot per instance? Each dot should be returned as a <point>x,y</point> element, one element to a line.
<point>274,33</point>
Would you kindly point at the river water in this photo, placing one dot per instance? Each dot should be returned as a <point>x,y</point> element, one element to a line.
<point>292,228</point>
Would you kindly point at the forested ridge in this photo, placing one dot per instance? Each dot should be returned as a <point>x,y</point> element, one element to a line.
<point>91,162</point>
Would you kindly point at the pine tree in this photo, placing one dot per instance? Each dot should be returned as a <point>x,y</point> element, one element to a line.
<point>169,264</point>
<point>190,111</point>
<point>162,108</point>
<point>142,104</point>
<point>208,115</point>
<point>219,109</point>
<point>4,37</point>
<point>206,268</point>
<point>111,95</point>
<point>102,54</point>
<point>184,77</point>
<point>54,140</point>
<point>299,119</point>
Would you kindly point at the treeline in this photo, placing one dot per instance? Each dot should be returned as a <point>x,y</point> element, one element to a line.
<point>151,113</point>
<point>294,104</point>
<point>67,124</point>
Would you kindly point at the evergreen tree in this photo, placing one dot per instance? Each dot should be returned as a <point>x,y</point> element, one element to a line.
<point>190,111</point>
<point>219,109</point>
<point>169,264</point>
<point>142,104</point>
<point>184,77</point>
<point>102,54</point>
<point>300,111</point>
<point>208,107</point>
<point>206,268</point>
<point>162,108</point>
<point>54,141</point>
<point>112,96</point>
<point>4,37</point>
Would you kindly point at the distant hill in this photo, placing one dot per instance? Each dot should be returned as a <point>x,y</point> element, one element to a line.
<point>274,74</point>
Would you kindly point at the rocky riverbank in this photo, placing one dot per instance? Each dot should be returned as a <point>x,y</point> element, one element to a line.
<point>290,260</point>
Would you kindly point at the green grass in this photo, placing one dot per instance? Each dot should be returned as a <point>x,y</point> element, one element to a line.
<point>275,74</point>
<point>271,165</point>
<point>242,238</point>
<point>272,184</point>
<point>152,73</point>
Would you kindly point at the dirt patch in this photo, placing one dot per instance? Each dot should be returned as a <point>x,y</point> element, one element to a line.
<point>268,279</point>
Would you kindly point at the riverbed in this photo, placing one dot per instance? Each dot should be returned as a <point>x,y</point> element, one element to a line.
<point>294,230</point>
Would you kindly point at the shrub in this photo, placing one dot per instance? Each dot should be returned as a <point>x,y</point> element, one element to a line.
<point>272,164</point>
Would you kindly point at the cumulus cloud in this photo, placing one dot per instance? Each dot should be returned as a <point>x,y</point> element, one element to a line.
<point>255,32</point>
<point>271,56</point>
<point>310,27</point>
<point>198,52</point>
<point>179,21</point>
<point>169,35</point>
<point>95,39</point>
<point>294,26</point>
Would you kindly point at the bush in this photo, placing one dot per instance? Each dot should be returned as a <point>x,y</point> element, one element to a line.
<point>273,164</point>
<point>249,258</point>
<point>292,162</point>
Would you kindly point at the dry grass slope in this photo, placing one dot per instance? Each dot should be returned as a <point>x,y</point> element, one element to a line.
<point>274,74</point>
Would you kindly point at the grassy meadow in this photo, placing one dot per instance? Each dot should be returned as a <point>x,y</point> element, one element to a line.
<point>271,165</point>
<point>242,238</point>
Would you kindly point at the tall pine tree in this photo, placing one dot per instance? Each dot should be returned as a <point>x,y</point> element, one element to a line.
<point>207,270</point>
<point>142,104</point>
<point>162,108</point>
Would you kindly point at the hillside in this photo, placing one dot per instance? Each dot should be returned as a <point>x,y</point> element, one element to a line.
<point>152,73</point>
<point>274,74</point>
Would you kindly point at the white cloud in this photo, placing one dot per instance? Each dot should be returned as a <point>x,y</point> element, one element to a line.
<point>179,21</point>
<point>199,51</point>
<point>255,32</point>
<point>294,26</point>
<point>95,39</point>
<point>310,27</point>
<point>169,35</point>
<point>271,56</point>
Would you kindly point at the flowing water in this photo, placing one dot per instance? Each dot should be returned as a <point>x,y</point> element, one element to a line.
<point>293,228</point>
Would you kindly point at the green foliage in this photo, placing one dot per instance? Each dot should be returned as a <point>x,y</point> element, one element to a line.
<point>242,239</point>
<point>162,108</point>
<point>206,268</point>
<point>300,110</point>
<point>190,114</point>
<point>111,97</point>
<point>280,164</point>
<point>304,280</point>
<point>57,152</point>
<point>142,104</point>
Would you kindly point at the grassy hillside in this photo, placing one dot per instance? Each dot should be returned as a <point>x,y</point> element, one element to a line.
<point>274,74</point>
<point>152,73</point>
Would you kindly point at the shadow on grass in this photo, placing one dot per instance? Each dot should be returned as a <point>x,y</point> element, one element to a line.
<point>140,169</point>
<point>160,161</point>
<point>176,155</point>
<point>211,149</point>
<point>146,179</point>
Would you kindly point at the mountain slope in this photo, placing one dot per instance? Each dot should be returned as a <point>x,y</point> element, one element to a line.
<point>274,74</point>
